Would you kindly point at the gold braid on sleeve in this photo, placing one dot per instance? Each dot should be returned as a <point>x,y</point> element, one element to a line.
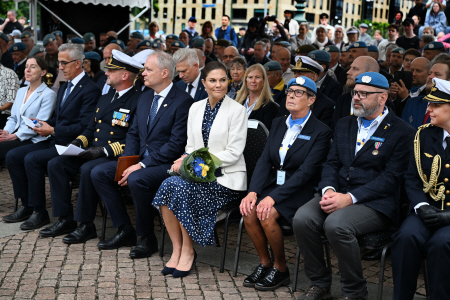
<point>432,187</point>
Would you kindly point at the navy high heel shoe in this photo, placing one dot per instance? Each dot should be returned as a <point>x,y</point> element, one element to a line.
<point>167,271</point>
<point>176,273</point>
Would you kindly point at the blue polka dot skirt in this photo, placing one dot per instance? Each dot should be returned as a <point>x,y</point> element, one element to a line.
<point>195,205</point>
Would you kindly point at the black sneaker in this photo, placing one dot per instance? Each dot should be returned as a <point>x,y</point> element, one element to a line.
<point>259,272</point>
<point>273,280</point>
<point>315,293</point>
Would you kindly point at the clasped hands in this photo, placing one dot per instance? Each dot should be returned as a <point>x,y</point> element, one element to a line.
<point>5,136</point>
<point>433,217</point>
<point>263,208</point>
<point>332,201</point>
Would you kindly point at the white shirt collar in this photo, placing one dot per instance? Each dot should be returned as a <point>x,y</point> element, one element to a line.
<point>77,79</point>
<point>195,83</point>
<point>417,93</point>
<point>124,91</point>
<point>165,91</point>
<point>334,67</point>
<point>444,142</point>
<point>22,61</point>
<point>376,122</point>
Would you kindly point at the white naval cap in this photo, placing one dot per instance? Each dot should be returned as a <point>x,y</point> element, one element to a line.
<point>142,56</point>
<point>121,61</point>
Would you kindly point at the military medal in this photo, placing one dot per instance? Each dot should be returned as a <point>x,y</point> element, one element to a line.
<point>120,119</point>
<point>377,145</point>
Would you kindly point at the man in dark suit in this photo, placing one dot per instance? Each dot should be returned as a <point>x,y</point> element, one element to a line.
<point>187,66</point>
<point>326,84</point>
<point>27,165</point>
<point>344,106</point>
<point>358,191</point>
<point>19,55</point>
<point>335,55</point>
<point>103,140</point>
<point>276,81</point>
<point>323,107</point>
<point>158,135</point>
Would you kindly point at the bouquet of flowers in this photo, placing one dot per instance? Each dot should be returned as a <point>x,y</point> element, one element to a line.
<point>199,166</point>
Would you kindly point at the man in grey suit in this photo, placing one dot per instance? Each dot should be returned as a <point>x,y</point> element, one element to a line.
<point>187,66</point>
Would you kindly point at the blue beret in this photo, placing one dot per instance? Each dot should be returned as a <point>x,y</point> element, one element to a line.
<point>77,40</point>
<point>158,40</point>
<point>4,37</point>
<point>156,45</point>
<point>303,81</point>
<point>120,43</point>
<point>372,48</point>
<point>357,44</point>
<point>48,39</point>
<point>25,34</point>
<point>345,49</point>
<point>146,43</point>
<point>28,28</point>
<point>433,46</point>
<point>320,55</point>
<point>36,50</point>
<point>87,37</point>
<point>272,66</point>
<point>331,48</point>
<point>286,43</point>
<point>137,35</point>
<point>17,47</point>
<point>398,50</point>
<point>172,37</point>
<point>92,55</point>
<point>178,44</point>
<point>372,79</point>
<point>198,42</point>
<point>58,33</point>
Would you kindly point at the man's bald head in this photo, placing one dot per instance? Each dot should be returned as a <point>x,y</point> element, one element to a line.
<point>420,67</point>
<point>108,51</point>
<point>112,33</point>
<point>361,65</point>
<point>283,56</point>
<point>209,46</point>
<point>201,58</point>
<point>228,54</point>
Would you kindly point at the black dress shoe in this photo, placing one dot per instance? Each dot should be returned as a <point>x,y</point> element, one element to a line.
<point>273,280</point>
<point>374,255</point>
<point>81,234</point>
<point>22,214</point>
<point>259,272</point>
<point>35,221</point>
<point>60,227</point>
<point>146,246</point>
<point>124,237</point>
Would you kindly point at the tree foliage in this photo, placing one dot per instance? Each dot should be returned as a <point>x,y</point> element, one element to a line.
<point>22,11</point>
<point>373,26</point>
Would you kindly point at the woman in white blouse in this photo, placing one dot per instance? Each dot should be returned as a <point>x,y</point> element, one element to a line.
<point>33,101</point>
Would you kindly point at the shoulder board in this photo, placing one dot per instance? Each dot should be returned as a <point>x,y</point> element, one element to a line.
<point>428,155</point>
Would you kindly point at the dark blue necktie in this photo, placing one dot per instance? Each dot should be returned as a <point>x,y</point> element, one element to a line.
<point>16,66</point>
<point>67,92</point>
<point>153,111</point>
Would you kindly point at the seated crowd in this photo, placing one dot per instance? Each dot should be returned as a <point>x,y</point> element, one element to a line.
<point>353,124</point>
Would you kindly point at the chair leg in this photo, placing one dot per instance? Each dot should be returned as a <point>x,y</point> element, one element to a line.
<point>425,279</point>
<point>163,237</point>
<point>224,243</point>
<point>216,237</point>
<point>105,217</point>
<point>328,256</point>
<point>297,265</point>
<point>381,278</point>
<point>238,247</point>
<point>16,204</point>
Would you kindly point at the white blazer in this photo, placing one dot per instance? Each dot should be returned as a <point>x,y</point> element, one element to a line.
<point>40,105</point>
<point>227,140</point>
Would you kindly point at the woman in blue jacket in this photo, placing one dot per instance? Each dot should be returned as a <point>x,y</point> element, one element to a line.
<point>436,19</point>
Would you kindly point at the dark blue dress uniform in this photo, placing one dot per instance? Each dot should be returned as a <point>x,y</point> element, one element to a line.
<point>19,69</point>
<point>415,241</point>
<point>104,130</point>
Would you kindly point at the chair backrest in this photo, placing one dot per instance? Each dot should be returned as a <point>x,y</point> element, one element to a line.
<point>257,135</point>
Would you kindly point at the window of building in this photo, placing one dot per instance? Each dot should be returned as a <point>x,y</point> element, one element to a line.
<point>164,27</point>
<point>183,13</point>
<point>184,1</point>
<point>387,13</point>
<point>165,1</point>
<point>194,1</point>
<point>245,1</point>
<point>183,26</point>
<point>381,13</point>
<point>256,1</point>
<point>376,12</point>
<point>165,12</point>
<point>240,13</point>
<point>234,1</point>
<point>321,4</point>
<point>203,1</point>
<point>345,23</point>
<point>310,17</point>
<point>213,13</point>
<point>259,13</point>
<point>328,4</point>
<point>193,12</point>
<point>314,4</point>
<point>346,8</point>
<point>203,13</point>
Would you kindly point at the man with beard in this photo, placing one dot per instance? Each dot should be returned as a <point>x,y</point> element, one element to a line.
<point>400,94</point>
<point>433,49</point>
<point>219,48</point>
<point>415,111</point>
<point>326,82</point>
<point>170,38</point>
<point>90,43</point>
<point>358,192</point>
<point>344,106</point>
<point>396,61</point>
<point>209,49</point>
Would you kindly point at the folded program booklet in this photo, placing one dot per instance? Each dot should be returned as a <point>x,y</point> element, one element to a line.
<point>123,163</point>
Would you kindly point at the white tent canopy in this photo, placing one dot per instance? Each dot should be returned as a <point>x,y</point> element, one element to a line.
<point>130,3</point>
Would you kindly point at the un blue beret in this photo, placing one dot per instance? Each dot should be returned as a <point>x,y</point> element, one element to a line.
<point>156,45</point>
<point>4,37</point>
<point>372,48</point>
<point>286,43</point>
<point>58,33</point>
<point>303,81</point>
<point>87,37</point>
<point>345,49</point>
<point>137,35</point>
<point>77,40</point>
<point>120,43</point>
<point>17,47</point>
<point>48,39</point>
<point>272,66</point>
<point>25,34</point>
<point>172,37</point>
<point>158,40</point>
<point>320,55</point>
<point>357,44</point>
<point>398,50</point>
<point>198,42</point>
<point>433,46</point>
<point>36,50</point>
<point>331,48</point>
<point>144,43</point>
<point>92,55</point>
<point>372,79</point>
<point>178,44</point>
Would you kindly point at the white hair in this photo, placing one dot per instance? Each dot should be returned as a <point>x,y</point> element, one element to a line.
<point>165,61</point>
<point>190,55</point>
<point>75,50</point>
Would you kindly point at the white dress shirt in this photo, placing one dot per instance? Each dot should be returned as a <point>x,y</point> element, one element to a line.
<point>195,86</point>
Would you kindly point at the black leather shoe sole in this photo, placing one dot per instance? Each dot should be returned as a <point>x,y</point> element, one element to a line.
<point>78,241</point>
<point>34,226</point>
<point>70,229</point>
<point>249,284</point>
<point>113,247</point>
<point>137,253</point>
<point>274,287</point>
<point>10,219</point>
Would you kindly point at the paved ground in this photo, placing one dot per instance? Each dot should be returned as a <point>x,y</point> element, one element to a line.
<point>37,268</point>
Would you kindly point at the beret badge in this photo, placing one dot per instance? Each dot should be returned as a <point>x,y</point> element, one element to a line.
<point>366,79</point>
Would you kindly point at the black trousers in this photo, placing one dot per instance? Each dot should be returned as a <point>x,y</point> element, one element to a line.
<point>3,120</point>
<point>413,243</point>
<point>27,166</point>
<point>6,146</point>
<point>61,170</point>
<point>142,184</point>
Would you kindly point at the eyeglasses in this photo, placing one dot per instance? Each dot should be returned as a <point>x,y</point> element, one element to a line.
<point>363,95</point>
<point>64,63</point>
<point>298,93</point>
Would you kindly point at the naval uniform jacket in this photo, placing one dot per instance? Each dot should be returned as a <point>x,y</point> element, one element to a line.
<point>373,178</point>
<point>302,164</point>
<point>101,131</point>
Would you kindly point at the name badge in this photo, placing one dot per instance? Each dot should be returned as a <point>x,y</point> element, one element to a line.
<point>124,110</point>
<point>304,137</point>
<point>377,139</point>
<point>281,176</point>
